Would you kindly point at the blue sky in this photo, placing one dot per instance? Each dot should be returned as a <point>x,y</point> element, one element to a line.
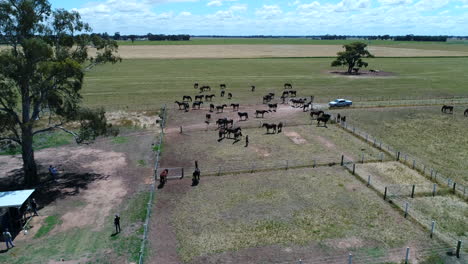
<point>270,17</point>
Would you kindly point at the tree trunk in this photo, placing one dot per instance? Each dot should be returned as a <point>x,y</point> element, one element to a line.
<point>29,164</point>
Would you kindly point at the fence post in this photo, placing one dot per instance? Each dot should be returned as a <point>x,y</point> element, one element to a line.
<point>457,253</point>
<point>315,164</point>
<point>354,168</point>
<point>406,209</point>
<point>342,160</point>
<point>414,164</point>
<point>398,156</point>
<point>362,158</point>
<point>424,169</point>
<point>407,255</point>
<point>385,194</point>
<point>434,190</point>
<point>368,181</point>
<point>181,132</point>
<point>432,228</point>
<point>350,258</point>
<point>375,141</point>
<point>412,191</point>
<point>454,187</point>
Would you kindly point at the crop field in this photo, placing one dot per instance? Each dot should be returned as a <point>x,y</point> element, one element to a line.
<point>435,138</point>
<point>266,51</point>
<point>283,216</point>
<point>136,84</point>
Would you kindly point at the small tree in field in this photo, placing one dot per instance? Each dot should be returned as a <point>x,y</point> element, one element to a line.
<point>352,56</point>
<point>41,75</point>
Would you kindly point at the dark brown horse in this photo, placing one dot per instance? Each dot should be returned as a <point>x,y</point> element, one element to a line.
<point>317,113</point>
<point>252,88</point>
<point>260,112</point>
<point>466,112</point>
<point>220,108</point>
<point>196,105</point>
<point>209,97</point>
<point>292,93</point>
<point>195,85</point>
<point>212,107</point>
<point>199,97</point>
<point>287,86</point>
<point>267,99</point>
<point>235,107</point>
<point>222,93</point>
<point>222,86</point>
<point>280,127</point>
<point>229,96</point>
<point>270,127</point>
<point>324,119</point>
<point>273,107</point>
<point>182,105</point>
<point>205,88</point>
<point>187,98</point>
<point>242,115</point>
<point>446,108</point>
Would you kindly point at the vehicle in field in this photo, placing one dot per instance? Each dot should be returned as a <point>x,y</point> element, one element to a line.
<point>340,103</point>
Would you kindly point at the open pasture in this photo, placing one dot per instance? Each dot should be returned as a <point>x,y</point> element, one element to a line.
<point>436,139</point>
<point>266,51</point>
<point>148,84</point>
<point>273,217</point>
<point>299,144</point>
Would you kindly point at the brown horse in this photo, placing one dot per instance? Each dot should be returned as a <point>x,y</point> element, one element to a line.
<point>324,119</point>
<point>260,112</point>
<point>287,86</point>
<point>446,108</point>
<point>273,107</point>
<point>270,126</point>
<point>235,107</point>
<point>199,97</point>
<point>197,105</point>
<point>241,115</point>
<point>209,97</point>
<point>220,108</point>
<point>317,113</point>
<point>466,112</point>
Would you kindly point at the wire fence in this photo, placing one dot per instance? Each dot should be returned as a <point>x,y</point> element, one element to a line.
<point>410,161</point>
<point>149,206</point>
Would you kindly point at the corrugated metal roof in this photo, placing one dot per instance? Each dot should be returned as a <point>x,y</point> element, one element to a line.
<point>14,198</point>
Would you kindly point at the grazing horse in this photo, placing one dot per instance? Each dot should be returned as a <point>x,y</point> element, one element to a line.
<point>272,95</point>
<point>343,119</point>
<point>280,127</point>
<point>229,96</point>
<point>273,107</point>
<point>241,115</point>
<point>292,93</point>
<point>208,117</point>
<point>220,108</point>
<point>212,107</point>
<point>196,104</point>
<point>252,88</point>
<point>199,97</point>
<point>205,88</point>
<point>209,97</point>
<point>267,99</point>
<point>283,99</point>
<point>260,112</point>
<point>287,86</point>
<point>317,113</point>
<point>298,102</point>
<point>222,86</point>
<point>222,93</point>
<point>285,94</point>
<point>270,126</point>
<point>306,107</point>
<point>323,118</point>
<point>338,118</point>
<point>466,112</point>
<point>195,85</point>
<point>221,134</point>
<point>235,107</point>
<point>182,105</point>
<point>446,108</point>
<point>237,136</point>
<point>187,98</point>
<point>233,131</point>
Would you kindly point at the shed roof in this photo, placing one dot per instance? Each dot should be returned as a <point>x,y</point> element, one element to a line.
<point>14,198</point>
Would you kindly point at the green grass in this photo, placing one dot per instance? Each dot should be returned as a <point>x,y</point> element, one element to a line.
<point>136,84</point>
<point>285,208</point>
<point>49,223</point>
<point>120,140</point>
<point>455,45</point>
<point>434,138</point>
<point>43,141</point>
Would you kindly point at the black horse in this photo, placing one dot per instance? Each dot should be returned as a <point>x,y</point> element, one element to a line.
<point>338,118</point>
<point>270,126</point>
<point>182,105</point>
<point>306,107</point>
<point>267,99</point>
<point>280,127</point>
<point>212,107</point>
<point>241,115</point>
<point>260,112</point>
<point>285,94</point>
<point>298,102</point>
<point>235,107</point>
<point>199,97</point>
<point>343,119</point>
<point>287,86</point>
<point>252,88</point>
<point>446,108</point>
<point>237,136</point>
<point>324,119</point>
<point>466,112</point>
<point>187,98</point>
<point>317,113</point>
<point>209,97</point>
<point>229,96</point>
<point>222,93</point>
<point>224,122</point>
<point>292,93</point>
<point>195,85</point>
<point>273,107</point>
<point>205,88</point>
<point>196,104</point>
<point>220,108</point>
<point>222,86</point>
<point>233,131</point>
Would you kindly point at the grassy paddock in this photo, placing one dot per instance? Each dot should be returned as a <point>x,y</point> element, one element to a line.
<point>231,213</point>
<point>136,84</point>
<point>434,138</point>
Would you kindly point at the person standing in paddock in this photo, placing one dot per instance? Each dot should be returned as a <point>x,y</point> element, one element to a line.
<point>117,223</point>
<point>246,140</point>
<point>8,239</point>
<point>34,207</point>
<point>163,178</point>
<point>196,175</point>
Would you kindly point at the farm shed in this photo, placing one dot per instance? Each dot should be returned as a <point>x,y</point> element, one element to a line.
<point>13,206</point>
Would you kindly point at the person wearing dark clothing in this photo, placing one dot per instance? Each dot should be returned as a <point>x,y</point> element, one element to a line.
<point>8,239</point>
<point>196,177</point>
<point>163,178</point>
<point>34,207</point>
<point>53,172</point>
<point>117,224</point>
<point>247,141</point>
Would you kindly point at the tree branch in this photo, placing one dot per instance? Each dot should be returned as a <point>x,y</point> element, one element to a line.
<point>47,129</point>
<point>12,139</point>
<point>75,135</point>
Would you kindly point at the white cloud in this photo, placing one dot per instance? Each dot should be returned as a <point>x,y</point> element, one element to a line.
<point>185,13</point>
<point>426,5</point>
<point>238,7</point>
<point>215,3</point>
<point>395,2</point>
<point>269,11</point>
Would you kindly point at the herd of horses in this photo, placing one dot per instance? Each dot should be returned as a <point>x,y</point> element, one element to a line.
<point>448,109</point>
<point>225,126</point>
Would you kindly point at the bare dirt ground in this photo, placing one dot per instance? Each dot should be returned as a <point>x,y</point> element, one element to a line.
<point>264,51</point>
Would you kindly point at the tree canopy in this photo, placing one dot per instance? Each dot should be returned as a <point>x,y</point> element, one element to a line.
<point>352,56</point>
<point>42,73</point>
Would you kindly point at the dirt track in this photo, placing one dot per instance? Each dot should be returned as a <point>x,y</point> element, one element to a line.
<point>264,51</point>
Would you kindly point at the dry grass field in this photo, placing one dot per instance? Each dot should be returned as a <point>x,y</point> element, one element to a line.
<point>266,51</point>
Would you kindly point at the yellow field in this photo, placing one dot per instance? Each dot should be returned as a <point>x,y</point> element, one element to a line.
<point>265,51</point>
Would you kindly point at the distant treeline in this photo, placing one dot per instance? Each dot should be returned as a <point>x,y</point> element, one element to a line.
<point>151,37</point>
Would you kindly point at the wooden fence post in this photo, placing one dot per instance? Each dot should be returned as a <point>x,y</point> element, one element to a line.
<point>454,187</point>
<point>342,160</point>
<point>407,255</point>
<point>432,228</point>
<point>414,164</point>
<point>412,191</point>
<point>385,194</point>
<point>434,190</point>
<point>406,209</point>
<point>398,156</point>
<point>457,253</point>
<point>354,168</point>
